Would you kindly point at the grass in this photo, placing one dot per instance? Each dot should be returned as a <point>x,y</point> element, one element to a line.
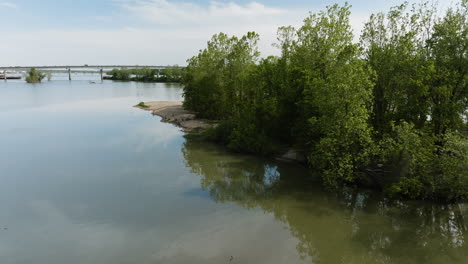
<point>141,105</point>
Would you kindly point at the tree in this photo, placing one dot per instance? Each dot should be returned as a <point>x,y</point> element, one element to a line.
<point>420,98</point>
<point>121,75</point>
<point>394,47</point>
<point>336,95</point>
<point>448,48</point>
<point>391,110</point>
<point>214,80</point>
<point>172,73</point>
<point>34,76</point>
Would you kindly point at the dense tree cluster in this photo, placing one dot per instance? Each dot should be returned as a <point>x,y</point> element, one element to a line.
<point>390,110</point>
<point>169,74</point>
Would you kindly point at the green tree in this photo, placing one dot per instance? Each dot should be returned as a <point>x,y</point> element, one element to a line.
<point>34,76</point>
<point>420,98</point>
<point>121,75</point>
<point>449,52</point>
<point>395,105</point>
<point>144,74</point>
<point>172,73</point>
<point>336,95</point>
<point>394,47</point>
<point>214,80</point>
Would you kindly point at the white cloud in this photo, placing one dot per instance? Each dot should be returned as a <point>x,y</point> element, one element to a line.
<point>172,33</point>
<point>197,23</point>
<point>162,32</point>
<point>170,13</point>
<point>8,4</point>
<point>121,46</point>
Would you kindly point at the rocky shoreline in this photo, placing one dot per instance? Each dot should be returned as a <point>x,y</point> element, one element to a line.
<point>174,113</point>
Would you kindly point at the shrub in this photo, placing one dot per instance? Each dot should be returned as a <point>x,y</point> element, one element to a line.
<point>34,76</point>
<point>141,105</point>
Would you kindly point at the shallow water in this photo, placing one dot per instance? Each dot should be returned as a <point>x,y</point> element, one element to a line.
<point>86,178</point>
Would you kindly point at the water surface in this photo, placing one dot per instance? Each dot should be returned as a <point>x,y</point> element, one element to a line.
<point>86,178</point>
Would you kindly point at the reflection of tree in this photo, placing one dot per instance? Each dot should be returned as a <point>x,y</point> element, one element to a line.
<point>342,227</point>
<point>428,233</point>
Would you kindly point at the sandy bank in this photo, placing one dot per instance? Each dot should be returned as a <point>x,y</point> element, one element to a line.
<point>173,112</point>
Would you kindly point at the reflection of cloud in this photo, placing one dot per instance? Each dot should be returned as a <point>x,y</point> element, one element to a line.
<point>53,237</point>
<point>249,237</point>
<point>101,105</point>
<point>92,105</point>
<point>50,235</point>
<point>156,134</point>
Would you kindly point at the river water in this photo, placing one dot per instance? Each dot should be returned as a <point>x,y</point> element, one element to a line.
<point>85,178</point>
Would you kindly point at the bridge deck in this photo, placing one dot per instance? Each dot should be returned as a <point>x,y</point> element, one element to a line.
<point>81,67</point>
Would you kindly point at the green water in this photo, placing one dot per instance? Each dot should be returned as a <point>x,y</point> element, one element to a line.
<point>86,178</point>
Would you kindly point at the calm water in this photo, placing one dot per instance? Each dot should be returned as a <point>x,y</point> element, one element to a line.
<point>86,178</point>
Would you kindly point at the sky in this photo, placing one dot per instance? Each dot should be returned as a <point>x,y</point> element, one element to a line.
<point>148,32</point>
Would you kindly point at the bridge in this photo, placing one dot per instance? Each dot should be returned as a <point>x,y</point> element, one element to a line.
<point>80,68</point>
<point>74,68</point>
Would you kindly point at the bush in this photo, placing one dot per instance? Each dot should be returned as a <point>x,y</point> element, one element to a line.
<point>141,105</point>
<point>34,76</point>
<point>170,74</point>
<point>423,169</point>
<point>121,75</point>
<point>450,181</point>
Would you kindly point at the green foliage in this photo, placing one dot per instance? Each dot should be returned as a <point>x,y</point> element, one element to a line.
<point>121,75</point>
<point>422,168</point>
<point>448,48</point>
<point>142,105</point>
<point>408,152</point>
<point>450,180</point>
<point>392,102</point>
<point>420,95</point>
<point>337,91</point>
<point>216,80</point>
<point>143,75</point>
<point>169,74</point>
<point>394,47</point>
<point>34,76</point>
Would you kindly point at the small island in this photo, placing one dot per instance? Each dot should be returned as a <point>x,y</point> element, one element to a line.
<point>168,74</point>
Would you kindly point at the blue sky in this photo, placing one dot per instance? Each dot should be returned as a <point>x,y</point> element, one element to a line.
<point>46,32</point>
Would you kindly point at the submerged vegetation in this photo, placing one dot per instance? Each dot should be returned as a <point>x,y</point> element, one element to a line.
<point>35,76</point>
<point>169,74</point>
<point>388,111</point>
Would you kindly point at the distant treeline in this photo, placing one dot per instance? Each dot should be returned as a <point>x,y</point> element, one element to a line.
<point>169,74</point>
<point>388,111</point>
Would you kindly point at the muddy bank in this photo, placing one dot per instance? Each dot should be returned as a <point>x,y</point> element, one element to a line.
<point>174,113</point>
